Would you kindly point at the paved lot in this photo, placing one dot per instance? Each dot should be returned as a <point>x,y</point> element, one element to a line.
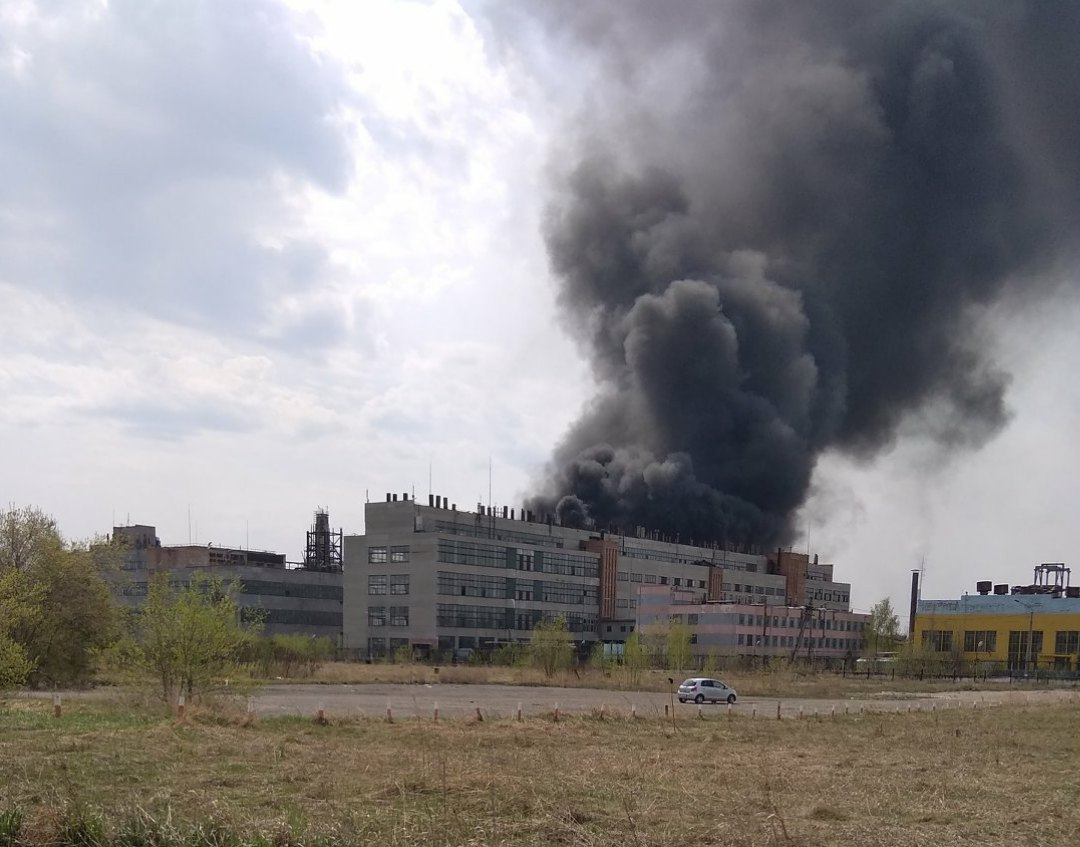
<point>495,700</point>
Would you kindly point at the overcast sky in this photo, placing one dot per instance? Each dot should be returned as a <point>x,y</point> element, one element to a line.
<point>261,257</point>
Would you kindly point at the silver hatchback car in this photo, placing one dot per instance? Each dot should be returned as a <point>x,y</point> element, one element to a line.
<point>699,689</point>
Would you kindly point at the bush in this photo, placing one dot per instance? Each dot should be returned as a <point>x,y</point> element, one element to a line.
<point>287,656</point>
<point>550,646</point>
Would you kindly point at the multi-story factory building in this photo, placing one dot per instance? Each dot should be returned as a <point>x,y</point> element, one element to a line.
<point>289,598</point>
<point>436,579</point>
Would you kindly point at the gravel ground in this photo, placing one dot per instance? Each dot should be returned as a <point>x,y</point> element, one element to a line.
<point>503,700</point>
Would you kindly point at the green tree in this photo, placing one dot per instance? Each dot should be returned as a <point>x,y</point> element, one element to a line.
<point>678,646</point>
<point>17,607</point>
<point>883,629</point>
<point>27,536</point>
<point>635,658</point>
<point>550,645</point>
<point>188,636</point>
<point>74,616</point>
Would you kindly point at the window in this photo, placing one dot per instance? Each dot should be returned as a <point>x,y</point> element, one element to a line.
<point>1067,642</point>
<point>376,555</point>
<point>474,585</point>
<point>376,583</point>
<point>937,640</point>
<point>678,581</point>
<point>635,577</point>
<point>650,578</point>
<point>399,554</point>
<point>691,620</point>
<point>376,646</point>
<point>980,641</point>
<point>399,616</point>
<point>572,593</point>
<point>701,583</point>
<point>663,580</point>
<point>525,560</point>
<point>399,583</point>
<point>572,564</point>
<point>472,553</point>
<point>376,616</point>
<point>1023,649</point>
<point>742,640</point>
<point>623,576</point>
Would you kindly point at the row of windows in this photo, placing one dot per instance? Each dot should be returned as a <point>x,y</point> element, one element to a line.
<point>778,622</point>
<point>471,585</point>
<point>382,555</point>
<point>749,640</point>
<point>378,646</point>
<point>472,553</point>
<point>653,579</point>
<point>293,617</point>
<point>666,556</point>
<point>498,588</point>
<point>381,583</point>
<point>453,615</point>
<point>380,615</point>
<point>571,564</point>
<point>985,641</point>
<point>482,531</point>
<point>258,588</point>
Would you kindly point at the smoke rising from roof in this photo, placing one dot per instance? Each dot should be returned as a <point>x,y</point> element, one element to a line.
<point>775,231</point>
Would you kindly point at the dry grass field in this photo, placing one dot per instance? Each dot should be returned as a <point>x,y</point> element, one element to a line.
<point>785,681</point>
<point>118,773</point>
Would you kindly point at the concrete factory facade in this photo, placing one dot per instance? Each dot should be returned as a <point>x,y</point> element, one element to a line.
<point>1025,627</point>
<point>435,579</point>
<point>301,598</point>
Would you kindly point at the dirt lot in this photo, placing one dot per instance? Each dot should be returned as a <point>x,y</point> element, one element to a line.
<point>496,700</point>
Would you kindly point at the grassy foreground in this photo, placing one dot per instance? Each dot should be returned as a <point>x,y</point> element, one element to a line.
<point>116,774</point>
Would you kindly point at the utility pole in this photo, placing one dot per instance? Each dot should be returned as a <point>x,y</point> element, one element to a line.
<point>1031,633</point>
<point>764,631</point>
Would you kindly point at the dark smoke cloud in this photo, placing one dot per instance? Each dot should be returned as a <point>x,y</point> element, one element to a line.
<point>775,228</point>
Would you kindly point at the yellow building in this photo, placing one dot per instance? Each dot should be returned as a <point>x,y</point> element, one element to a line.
<point>1031,627</point>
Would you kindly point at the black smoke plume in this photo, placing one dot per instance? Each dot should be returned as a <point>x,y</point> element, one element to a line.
<point>776,226</point>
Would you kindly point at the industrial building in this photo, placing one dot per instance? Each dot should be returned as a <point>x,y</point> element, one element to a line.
<point>436,579</point>
<point>301,597</point>
<point>756,631</point>
<point>1018,628</point>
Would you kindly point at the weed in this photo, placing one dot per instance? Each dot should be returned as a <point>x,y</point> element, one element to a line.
<point>82,827</point>
<point>11,823</point>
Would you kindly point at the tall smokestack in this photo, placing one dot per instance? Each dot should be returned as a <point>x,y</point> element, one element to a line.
<point>775,230</point>
<point>914,604</point>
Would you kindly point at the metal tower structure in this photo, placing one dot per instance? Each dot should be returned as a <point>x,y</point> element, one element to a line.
<point>324,546</point>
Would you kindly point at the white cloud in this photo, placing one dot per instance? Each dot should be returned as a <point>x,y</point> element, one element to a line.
<point>257,257</point>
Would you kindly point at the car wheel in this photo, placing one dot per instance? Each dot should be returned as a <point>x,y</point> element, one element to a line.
<point>731,698</point>
<point>699,699</point>
<point>682,699</point>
